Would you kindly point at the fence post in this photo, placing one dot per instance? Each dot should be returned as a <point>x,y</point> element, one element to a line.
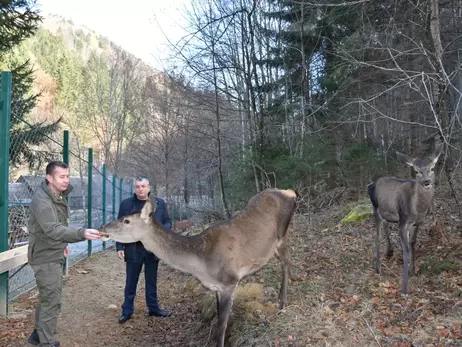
<point>104,200</point>
<point>90,195</point>
<point>113,197</point>
<point>66,160</point>
<point>174,215</point>
<point>66,147</point>
<point>121,187</point>
<point>5,108</point>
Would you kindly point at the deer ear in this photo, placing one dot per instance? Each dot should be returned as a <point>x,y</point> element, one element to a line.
<point>146,211</point>
<point>437,152</point>
<point>404,158</point>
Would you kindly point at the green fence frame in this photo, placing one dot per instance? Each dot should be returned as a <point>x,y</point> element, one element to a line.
<point>5,114</point>
<point>104,217</point>
<point>5,121</point>
<point>66,160</point>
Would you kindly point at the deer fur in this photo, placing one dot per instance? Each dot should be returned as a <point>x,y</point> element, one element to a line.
<point>406,202</point>
<point>225,252</point>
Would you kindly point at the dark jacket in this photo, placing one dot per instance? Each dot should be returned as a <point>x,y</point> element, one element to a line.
<point>134,205</point>
<point>48,230</point>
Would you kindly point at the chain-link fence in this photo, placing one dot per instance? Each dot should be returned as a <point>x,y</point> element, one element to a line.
<point>94,200</point>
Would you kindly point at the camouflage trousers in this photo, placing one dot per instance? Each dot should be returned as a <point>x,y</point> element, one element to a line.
<point>49,279</point>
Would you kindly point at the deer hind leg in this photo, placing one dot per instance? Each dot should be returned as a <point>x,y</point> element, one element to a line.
<point>414,230</point>
<point>224,302</point>
<point>284,256</point>
<point>378,226</point>
<point>386,229</point>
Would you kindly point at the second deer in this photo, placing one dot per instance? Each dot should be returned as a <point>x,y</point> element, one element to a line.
<point>406,202</point>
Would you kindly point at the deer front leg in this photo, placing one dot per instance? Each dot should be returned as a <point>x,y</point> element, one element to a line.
<point>378,227</point>
<point>224,302</point>
<point>284,256</point>
<point>414,231</point>
<point>404,235</point>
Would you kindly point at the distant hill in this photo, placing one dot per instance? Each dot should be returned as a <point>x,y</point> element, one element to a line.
<point>82,39</point>
<point>72,63</point>
<point>95,86</point>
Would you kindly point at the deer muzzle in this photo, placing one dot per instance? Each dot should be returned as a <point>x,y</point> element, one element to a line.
<point>427,184</point>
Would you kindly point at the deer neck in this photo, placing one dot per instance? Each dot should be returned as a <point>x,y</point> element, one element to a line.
<point>181,252</point>
<point>422,198</point>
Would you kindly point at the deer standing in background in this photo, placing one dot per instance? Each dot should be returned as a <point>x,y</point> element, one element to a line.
<point>225,252</point>
<point>406,202</point>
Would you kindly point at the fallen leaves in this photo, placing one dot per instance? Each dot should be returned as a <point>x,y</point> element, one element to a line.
<point>15,331</point>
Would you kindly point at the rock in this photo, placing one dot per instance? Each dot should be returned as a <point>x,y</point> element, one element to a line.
<point>358,213</point>
<point>194,286</point>
<point>249,292</point>
<point>208,306</point>
<point>247,300</point>
<point>112,307</point>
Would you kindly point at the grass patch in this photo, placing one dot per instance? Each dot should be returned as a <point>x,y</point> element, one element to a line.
<point>434,265</point>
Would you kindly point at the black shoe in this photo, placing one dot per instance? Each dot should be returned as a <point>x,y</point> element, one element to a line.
<point>34,339</point>
<point>56,344</point>
<point>124,318</point>
<point>160,313</point>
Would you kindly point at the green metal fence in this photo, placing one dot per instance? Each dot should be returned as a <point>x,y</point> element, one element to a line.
<point>94,200</point>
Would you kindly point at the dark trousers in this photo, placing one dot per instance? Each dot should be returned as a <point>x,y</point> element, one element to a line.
<point>49,279</point>
<point>133,270</point>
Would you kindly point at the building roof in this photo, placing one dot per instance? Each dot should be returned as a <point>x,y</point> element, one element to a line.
<point>30,183</point>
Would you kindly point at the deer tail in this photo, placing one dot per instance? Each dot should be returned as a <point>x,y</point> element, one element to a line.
<point>372,194</point>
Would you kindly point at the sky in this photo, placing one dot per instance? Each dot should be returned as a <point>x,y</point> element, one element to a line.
<point>137,25</point>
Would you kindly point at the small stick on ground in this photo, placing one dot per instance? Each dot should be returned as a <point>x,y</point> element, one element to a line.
<point>385,266</point>
<point>370,329</point>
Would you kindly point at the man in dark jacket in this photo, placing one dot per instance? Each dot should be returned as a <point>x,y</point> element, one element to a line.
<point>135,255</point>
<point>49,235</point>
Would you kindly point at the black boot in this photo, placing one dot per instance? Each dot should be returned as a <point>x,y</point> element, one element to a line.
<point>160,313</point>
<point>124,318</point>
<point>34,338</point>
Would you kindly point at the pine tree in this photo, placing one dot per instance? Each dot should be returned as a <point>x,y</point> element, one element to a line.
<point>19,19</point>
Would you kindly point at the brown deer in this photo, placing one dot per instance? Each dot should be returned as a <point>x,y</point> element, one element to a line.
<point>225,252</point>
<point>406,202</point>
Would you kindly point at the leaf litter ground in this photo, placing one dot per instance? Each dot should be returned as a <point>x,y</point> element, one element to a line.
<point>335,298</point>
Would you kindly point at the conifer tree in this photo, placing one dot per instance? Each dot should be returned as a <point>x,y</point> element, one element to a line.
<point>19,19</point>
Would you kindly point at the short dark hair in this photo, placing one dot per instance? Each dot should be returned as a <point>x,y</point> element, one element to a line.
<point>52,165</point>
<point>140,178</point>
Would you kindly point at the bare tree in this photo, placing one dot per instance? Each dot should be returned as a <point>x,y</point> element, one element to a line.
<point>112,102</point>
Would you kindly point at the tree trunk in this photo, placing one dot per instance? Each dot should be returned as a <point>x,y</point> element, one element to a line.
<point>441,93</point>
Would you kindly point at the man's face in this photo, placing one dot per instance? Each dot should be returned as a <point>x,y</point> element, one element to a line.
<point>142,189</point>
<point>59,180</point>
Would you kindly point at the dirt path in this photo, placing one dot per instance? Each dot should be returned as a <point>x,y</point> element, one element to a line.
<point>92,296</point>
<point>334,298</point>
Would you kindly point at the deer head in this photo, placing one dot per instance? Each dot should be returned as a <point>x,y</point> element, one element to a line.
<point>130,228</point>
<point>424,167</point>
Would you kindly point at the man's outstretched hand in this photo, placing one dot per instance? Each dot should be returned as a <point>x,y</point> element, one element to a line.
<point>92,234</point>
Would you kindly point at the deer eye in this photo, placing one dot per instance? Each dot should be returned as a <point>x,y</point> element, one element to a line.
<point>126,221</point>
